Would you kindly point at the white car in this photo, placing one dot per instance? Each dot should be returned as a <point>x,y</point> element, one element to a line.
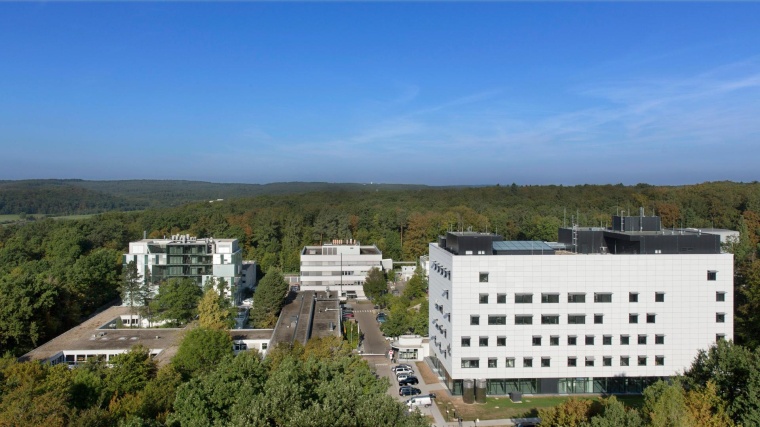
<point>404,371</point>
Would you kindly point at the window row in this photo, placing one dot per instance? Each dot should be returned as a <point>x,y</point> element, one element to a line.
<point>553,319</point>
<point>553,298</point>
<point>537,340</point>
<point>546,362</point>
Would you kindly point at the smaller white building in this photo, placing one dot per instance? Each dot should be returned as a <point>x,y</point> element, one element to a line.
<point>410,348</point>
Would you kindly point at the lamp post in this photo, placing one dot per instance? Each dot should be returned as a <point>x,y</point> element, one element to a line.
<point>447,413</point>
<point>477,420</point>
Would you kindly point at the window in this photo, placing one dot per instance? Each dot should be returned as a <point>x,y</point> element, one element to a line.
<point>602,297</point>
<point>470,363</point>
<point>625,360</point>
<point>546,362</point>
<point>483,298</point>
<point>572,340</point>
<point>527,362</point>
<point>633,297</point>
<point>642,361</point>
<point>720,337</point>
<point>536,340</point>
<point>720,317</point>
<point>576,298</point>
<point>598,319</point>
<point>554,340</point>
<point>465,341</point>
<point>491,362</point>
<point>659,297</point>
<point>509,362</point>
<point>625,340</point>
<point>576,319</point>
<point>659,360</point>
<point>501,298</point>
<point>550,298</point>
<point>523,319</point>
<point>483,341</point>
<point>651,317</point>
<point>633,318</point>
<point>712,275</point>
<point>607,340</point>
<point>720,296</point>
<point>642,339</point>
<point>501,341</point>
<point>483,277</point>
<point>523,298</point>
<point>659,339</point>
<point>607,361</point>
<point>264,346</point>
<point>572,362</point>
<point>549,319</point>
<point>589,360</point>
<point>589,340</point>
<point>497,320</point>
<point>474,320</point>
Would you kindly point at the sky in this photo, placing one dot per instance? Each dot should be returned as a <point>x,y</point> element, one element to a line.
<point>449,93</point>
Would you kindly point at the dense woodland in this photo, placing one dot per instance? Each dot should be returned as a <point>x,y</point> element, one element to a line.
<point>53,273</point>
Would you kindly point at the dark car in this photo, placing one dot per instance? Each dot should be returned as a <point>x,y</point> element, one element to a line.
<point>409,381</point>
<point>381,318</point>
<point>408,391</point>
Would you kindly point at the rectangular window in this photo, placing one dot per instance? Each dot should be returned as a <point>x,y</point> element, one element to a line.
<point>607,340</point>
<point>607,361</point>
<point>602,297</point>
<point>550,298</point>
<point>264,346</point>
<point>659,360</point>
<point>523,319</point>
<point>720,296</point>
<point>483,277</point>
<point>497,320</point>
<point>720,317</point>
<point>509,362</point>
<point>633,297</point>
<point>589,340</point>
<point>470,363</point>
<point>465,341</point>
<point>501,341</point>
<point>651,317</point>
<point>598,319</point>
<point>642,339</point>
<point>491,362</point>
<point>536,340</point>
<point>659,297</point>
<point>554,340</point>
<point>720,337</point>
<point>659,339</point>
<point>712,275</point>
<point>483,298</point>
<point>589,361</point>
<point>527,362</point>
<point>546,362</point>
<point>576,319</point>
<point>483,341</point>
<point>642,361</point>
<point>633,318</point>
<point>501,298</point>
<point>625,360</point>
<point>572,362</point>
<point>474,320</point>
<point>523,298</point>
<point>550,319</point>
<point>625,340</point>
<point>576,298</point>
<point>572,340</point>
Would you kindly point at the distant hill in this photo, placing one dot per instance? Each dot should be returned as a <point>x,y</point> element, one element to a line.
<point>73,196</point>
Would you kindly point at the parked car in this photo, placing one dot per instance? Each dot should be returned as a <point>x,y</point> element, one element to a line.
<point>408,391</point>
<point>404,371</point>
<point>401,366</point>
<point>348,315</point>
<point>408,380</point>
<point>414,402</point>
<point>381,318</point>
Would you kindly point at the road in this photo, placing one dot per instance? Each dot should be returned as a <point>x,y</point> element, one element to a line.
<point>374,341</point>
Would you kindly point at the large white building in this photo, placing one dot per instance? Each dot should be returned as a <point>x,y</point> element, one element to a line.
<point>603,311</point>
<point>340,267</point>
<point>184,256</point>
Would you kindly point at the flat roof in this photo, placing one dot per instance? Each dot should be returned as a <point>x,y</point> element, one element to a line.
<point>521,245</point>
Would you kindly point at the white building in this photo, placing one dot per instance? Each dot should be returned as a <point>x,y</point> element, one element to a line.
<point>612,311</point>
<point>340,267</point>
<point>184,256</point>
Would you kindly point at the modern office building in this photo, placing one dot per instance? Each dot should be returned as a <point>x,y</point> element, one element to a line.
<point>340,267</point>
<point>601,311</point>
<point>184,256</point>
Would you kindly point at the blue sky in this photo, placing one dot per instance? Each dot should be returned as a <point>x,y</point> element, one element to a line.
<point>431,93</point>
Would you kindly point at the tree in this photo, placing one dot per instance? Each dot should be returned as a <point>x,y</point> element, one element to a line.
<point>177,301</point>
<point>375,285</point>
<point>131,286</point>
<point>417,286</point>
<point>615,414</point>
<point>201,350</point>
<point>131,371</point>
<point>268,299</point>
<point>665,406</point>
<point>211,312</point>
<point>573,412</point>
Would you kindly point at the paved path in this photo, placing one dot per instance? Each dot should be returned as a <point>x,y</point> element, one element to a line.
<point>374,340</point>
